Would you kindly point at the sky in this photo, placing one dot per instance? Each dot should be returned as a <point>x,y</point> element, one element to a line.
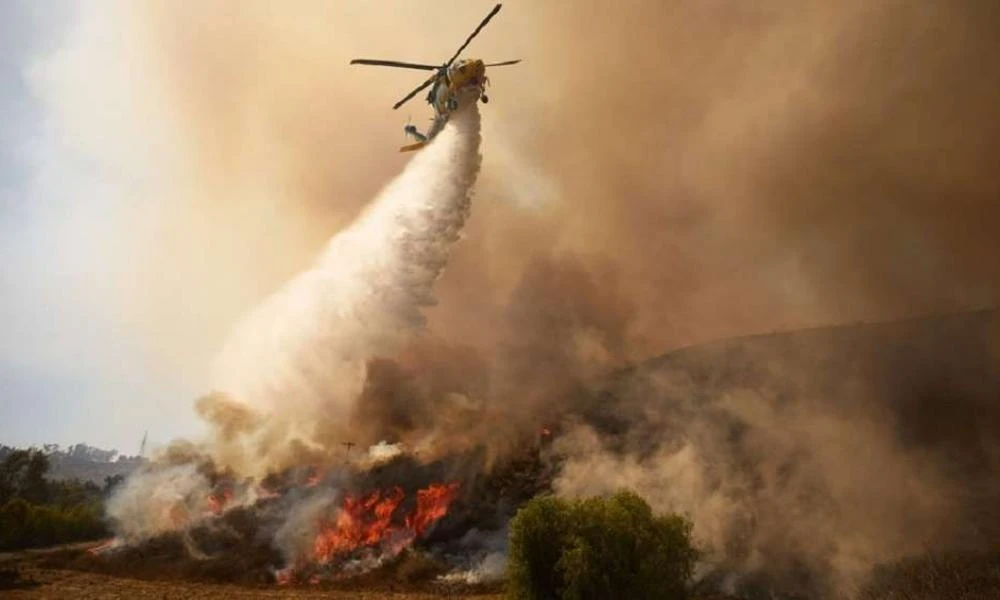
<point>68,371</point>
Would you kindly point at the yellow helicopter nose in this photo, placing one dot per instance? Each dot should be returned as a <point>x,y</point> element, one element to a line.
<point>470,70</point>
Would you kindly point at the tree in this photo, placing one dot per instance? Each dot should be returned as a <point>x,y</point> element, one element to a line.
<point>598,548</point>
<point>36,512</point>
<point>22,474</point>
<point>113,481</point>
<point>34,487</point>
<point>539,536</point>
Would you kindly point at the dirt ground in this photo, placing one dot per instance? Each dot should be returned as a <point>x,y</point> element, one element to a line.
<point>23,576</point>
<point>53,584</point>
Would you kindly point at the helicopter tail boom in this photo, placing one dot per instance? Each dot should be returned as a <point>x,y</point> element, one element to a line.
<point>412,147</point>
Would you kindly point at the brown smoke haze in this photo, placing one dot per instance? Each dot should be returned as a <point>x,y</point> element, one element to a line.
<point>740,168</point>
<point>655,174</point>
<point>807,458</point>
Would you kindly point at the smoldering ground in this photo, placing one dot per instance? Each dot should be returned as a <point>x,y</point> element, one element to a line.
<point>654,174</point>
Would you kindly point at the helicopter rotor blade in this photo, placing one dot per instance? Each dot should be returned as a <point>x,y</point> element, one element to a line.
<point>414,93</point>
<point>393,63</point>
<point>504,63</point>
<point>475,32</point>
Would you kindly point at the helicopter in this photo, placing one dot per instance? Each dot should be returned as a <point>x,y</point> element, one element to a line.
<point>448,81</point>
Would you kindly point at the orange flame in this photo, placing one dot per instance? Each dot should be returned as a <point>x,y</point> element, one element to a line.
<point>432,504</point>
<point>217,501</point>
<point>105,545</point>
<point>360,522</point>
<point>365,522</point>
<point>178,515</point>
<point>264,493</point>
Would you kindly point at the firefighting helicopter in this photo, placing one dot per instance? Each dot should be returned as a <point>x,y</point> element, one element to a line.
<point>447,82</point>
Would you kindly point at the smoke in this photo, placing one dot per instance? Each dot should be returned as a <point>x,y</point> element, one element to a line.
<point>300,357</point>
<point>750,168</point>
<point>562,331</point>
<point>491,568</point>
<point>782,504</point>
<point>484,558</point>
<point>165,499</point>
<point>805,459</point>
<point>742,168</point>
<point>294,538</point>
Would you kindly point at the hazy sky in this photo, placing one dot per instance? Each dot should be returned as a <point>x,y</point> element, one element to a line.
<point>68,371</point>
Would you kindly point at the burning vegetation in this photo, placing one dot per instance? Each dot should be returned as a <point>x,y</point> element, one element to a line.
<point>295,528</point>
<point>367,530</point>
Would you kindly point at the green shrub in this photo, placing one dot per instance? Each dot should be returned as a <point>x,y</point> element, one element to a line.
<point>598,548</point>
<point>36,512</point>
<point>26,525</point>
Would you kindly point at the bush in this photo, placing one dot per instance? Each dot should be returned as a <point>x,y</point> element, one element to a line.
<point>36,512</point>
<point>600,548</point>
<point>26,525</point>
<point>936,576</point>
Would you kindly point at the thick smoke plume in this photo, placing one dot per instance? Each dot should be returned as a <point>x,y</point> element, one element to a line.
<point>300,358</point>
<point>805,459</point>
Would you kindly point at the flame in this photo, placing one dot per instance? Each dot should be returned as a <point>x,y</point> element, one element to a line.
<point>107,544</point>
<point>359,522</point>
<point>178,515</point>
<point>432,504</point>
<point>367,522</point>
<point>262,492</point>
<point>291,575</point>
<point>217,501</point>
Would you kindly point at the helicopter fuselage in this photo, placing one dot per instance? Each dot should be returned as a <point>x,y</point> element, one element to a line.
<point>461,78</point>
<point>453,83</point>
<point>462,74</point>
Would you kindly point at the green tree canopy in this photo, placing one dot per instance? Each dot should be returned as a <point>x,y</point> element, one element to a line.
<point>598,548</point>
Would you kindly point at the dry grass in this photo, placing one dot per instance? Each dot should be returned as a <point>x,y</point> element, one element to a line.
<point>950,576</point>
<point>51,583</point>
<point>28,576</point>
